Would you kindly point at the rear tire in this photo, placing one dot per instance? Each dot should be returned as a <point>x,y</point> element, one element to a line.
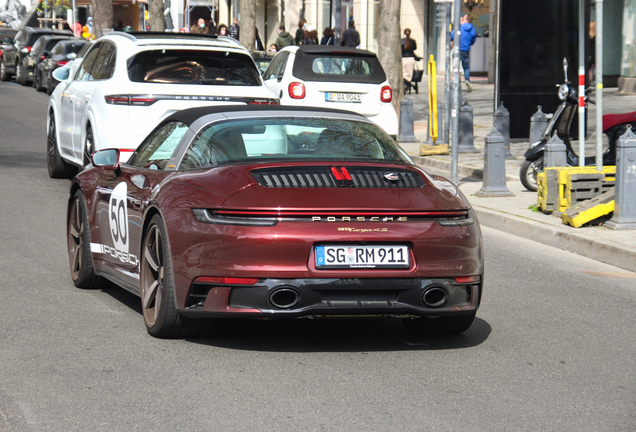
<point>4,75</point>
<point>49,85</point>
<point>57,167</point>
<point>37,81</point>
<point>440,325</point>
<point>157,287</point>
<point>79,249</point>
<point>19,74</point>
<point>89,146</point>
<point>528,173</point>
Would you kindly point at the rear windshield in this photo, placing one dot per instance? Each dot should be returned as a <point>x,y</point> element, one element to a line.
<point>290,139</point>
<point>193,67</point>
<point>338,67</point>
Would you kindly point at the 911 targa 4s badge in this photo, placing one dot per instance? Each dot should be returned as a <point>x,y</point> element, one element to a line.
<point>275,212</point>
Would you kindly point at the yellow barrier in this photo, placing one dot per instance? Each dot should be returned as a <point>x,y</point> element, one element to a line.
<point>560,188</point>
<point>432,98</point>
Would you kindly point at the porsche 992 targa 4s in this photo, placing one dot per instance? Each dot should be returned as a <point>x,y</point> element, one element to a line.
<point>275,212</point>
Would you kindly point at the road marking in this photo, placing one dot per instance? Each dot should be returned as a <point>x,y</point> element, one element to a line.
<point>27,412</point>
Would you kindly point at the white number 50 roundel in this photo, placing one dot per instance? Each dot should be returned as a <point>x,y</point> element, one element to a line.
<point>118,217</point>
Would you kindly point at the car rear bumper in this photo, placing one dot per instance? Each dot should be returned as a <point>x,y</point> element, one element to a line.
<point>334,297</point>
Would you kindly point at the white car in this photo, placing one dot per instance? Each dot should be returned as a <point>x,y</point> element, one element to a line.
<point>333,77</point>
<point>128,82</point>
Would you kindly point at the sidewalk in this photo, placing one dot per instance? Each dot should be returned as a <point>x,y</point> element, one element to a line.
<point>514,214</point>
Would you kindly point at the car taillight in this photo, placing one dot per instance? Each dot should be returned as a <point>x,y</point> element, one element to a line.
<point>296,90</point>
<point>61,62</point>
<point>226,280</point>
<point>42,57</point>
<point>138,100</point>
<point>386,94</point>
<point>263,102</point>
<point>466,279</point>
<point>26,49</point>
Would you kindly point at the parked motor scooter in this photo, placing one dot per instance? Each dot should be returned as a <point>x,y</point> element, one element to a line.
<point>614,125</point>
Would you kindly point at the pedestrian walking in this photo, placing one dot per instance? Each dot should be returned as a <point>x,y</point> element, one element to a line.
<point>235,29</point>
<point>328,36</point>
<point>467,39</point>
<point>350,37</point>
<point>408,58</point>
<point>284,38</point>
<point>311,36</point>
<point>299,39</point>
<point>200,27</point>
<point>222,30</point>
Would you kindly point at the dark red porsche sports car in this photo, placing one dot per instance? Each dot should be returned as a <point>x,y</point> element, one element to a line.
<point>271,211</point>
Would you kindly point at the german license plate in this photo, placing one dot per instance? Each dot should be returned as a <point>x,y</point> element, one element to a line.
<point>343,97</point>
<point>361,257</point>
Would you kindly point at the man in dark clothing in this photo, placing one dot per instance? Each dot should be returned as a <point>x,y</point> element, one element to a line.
<point>284,38</point>
<point>467,38</point>
<point>350,37</point>
<point>234,29</point>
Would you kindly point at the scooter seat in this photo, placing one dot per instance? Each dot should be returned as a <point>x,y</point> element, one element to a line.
<point>611,120</point>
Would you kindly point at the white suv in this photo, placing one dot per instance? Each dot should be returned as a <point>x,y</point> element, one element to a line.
<point>333,77</point>
<point>129,82</point>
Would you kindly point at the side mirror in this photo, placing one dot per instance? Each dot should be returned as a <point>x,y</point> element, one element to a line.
<point>107,159</point>
<point>62,74</point>
<point>46,54</point>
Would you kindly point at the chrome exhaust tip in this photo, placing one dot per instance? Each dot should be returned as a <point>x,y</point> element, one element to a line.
<point>284,298</point>
<point>434,297</point>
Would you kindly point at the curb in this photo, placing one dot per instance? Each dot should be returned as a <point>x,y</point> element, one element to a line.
<point>462,169</point>
<point>596,249</point>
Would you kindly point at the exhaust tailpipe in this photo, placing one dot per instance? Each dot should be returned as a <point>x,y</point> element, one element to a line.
<point>434,297</point>
<point>284,298</point>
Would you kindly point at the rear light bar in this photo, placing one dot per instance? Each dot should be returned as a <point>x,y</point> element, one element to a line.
<point>386,94</point>
<point>296,90</point>
<point>226,280</point>
<point>62,62</point>
<point>139,100</point>
<point>284,213</point>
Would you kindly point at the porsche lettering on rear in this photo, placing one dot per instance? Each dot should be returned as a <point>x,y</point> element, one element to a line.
<point>359,219</point>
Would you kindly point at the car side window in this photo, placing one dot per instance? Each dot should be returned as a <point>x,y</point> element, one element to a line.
<point>58,49</point>
<point>276,67</point>
<point>104,63</point>
<point>19,38</point>
<point>84,71</point>
<point>157,149</point>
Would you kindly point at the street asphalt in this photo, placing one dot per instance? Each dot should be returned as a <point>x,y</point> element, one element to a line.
<point>551,348</point>
<point>517,214</point>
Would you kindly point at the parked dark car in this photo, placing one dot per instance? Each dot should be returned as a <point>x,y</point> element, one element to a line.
<point>13,55</point>
<point>6,37</point>
<point>262,59</point>
<point>63,52</point>
<point>39,52</point>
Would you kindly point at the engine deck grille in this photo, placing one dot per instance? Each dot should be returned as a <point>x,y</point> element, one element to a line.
<point>333,177</point>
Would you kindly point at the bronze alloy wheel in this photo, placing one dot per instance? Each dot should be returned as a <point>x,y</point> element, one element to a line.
<point>76,242</point>
<point>152,275</point>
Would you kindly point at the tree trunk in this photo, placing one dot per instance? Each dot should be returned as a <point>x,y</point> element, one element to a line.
<point>155,15</point>
<point>390,50</point>
<point>247,36</point>
<point>103,16</point>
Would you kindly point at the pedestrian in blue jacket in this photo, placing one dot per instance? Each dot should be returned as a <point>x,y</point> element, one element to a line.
<point>467,38</point>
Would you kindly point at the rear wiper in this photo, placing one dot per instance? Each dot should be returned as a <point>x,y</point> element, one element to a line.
<point>212,81</point>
